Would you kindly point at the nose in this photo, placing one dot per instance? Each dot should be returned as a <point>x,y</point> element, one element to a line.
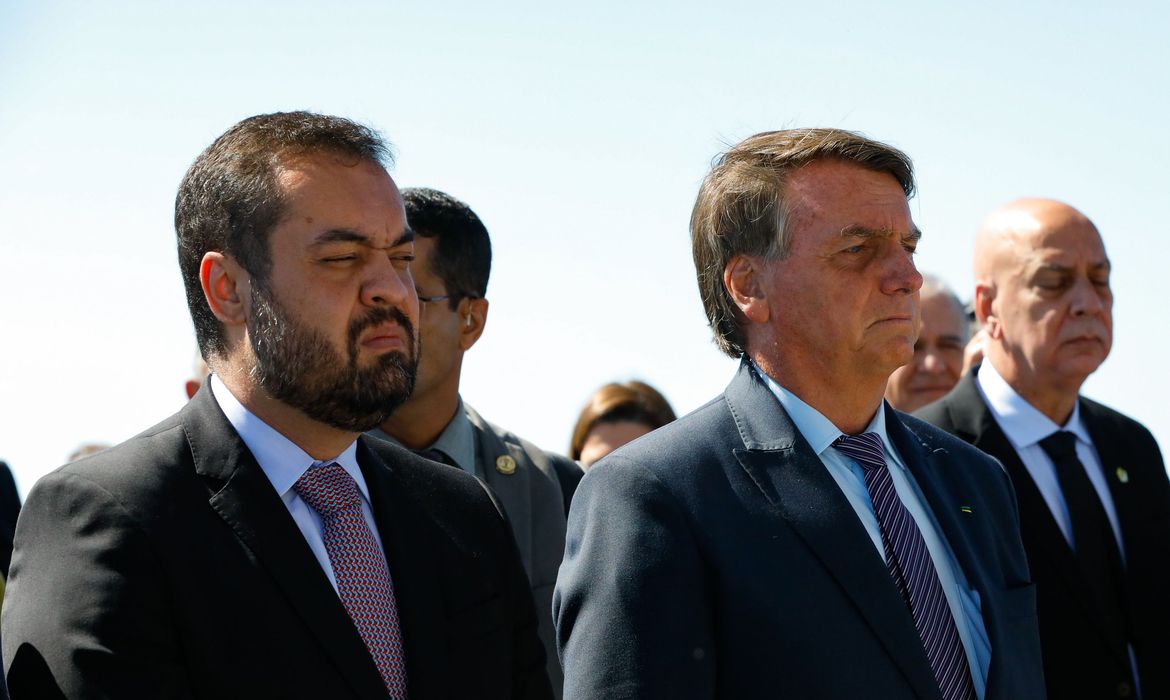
<point>1087,299</point>
<point>386,284</point>
<point>931,361</point>
<point>900,275</point>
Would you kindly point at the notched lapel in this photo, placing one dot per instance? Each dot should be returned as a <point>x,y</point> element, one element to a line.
<point>247,502</point>
<point>513,489</point>
<point>945,491</point>
<point>800,489</point>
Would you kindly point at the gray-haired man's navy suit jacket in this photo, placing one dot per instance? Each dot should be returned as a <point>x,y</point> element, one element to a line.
<point>717,557</point>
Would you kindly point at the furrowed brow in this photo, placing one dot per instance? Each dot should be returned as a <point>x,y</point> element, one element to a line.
<point>865,232</point>
<point>350,236</point>
<point>407,236</point>
<point>341,235</point>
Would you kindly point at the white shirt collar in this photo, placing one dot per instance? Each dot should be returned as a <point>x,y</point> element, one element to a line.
<point>818,430</point>
<point>1022,422</point>
<point>282,461</point>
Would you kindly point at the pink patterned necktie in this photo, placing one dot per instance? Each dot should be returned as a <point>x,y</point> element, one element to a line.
<point>909,563</point>
<point>363,580</point>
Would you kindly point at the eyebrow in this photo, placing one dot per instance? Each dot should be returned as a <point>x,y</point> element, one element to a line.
<point>855,231</point>
<point>1055,267</point>
<point>344,235</point>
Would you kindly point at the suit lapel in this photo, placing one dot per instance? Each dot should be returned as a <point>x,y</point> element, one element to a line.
<point>797,485</point>
<point>415,568</point>
<point>1042,536</point>
<point>1113,458</point>
<point>513,489</point>
<point>246,501</point>
<point>943,495</point>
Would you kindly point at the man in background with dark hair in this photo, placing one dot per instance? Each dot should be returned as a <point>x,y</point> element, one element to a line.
<point>453,259</point>
<point>254,545</point>
<point>1092,487</point>
<point>796,537</point>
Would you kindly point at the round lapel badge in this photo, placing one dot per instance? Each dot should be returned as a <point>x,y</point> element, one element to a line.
<point>505,465</point>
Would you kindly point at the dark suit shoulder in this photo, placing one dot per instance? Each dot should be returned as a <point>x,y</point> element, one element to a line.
<point>1111,421</point>
<point>135,471</point>
<point>934,437</point>
<point>544,465</point>
<point>701,436</point>
<point>936,414</point>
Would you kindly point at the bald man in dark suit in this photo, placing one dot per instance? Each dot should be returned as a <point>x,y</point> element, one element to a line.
<point>1093,493</point>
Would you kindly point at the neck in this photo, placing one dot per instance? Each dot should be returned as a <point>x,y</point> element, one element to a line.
<point>421,420</point>
<point>849,405</point>
<point>319,440</point>
<point>1053,398</point>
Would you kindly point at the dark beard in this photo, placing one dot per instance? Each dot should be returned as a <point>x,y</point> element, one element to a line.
<point>299,366</point>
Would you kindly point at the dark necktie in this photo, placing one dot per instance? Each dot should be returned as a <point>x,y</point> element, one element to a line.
<point>363,579</point>
<point>1093,542</point>
<point>911,567</point>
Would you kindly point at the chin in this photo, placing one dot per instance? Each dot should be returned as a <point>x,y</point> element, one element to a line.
<point>928,397</point>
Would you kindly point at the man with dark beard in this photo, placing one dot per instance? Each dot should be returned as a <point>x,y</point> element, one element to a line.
<point>253,545</point>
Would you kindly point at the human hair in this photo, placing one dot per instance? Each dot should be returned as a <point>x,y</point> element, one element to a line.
<point>231,198</point>
<point>932,286</point>
<point>741,210</point>
<point>463,251</point>
<point>632,401</point>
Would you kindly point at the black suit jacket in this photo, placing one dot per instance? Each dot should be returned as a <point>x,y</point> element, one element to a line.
<point>1080,659</point>
<point>168,567</point>
<point>9,510</point>
<point>717,557</point>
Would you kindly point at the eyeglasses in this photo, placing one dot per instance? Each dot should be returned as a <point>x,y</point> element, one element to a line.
<point>428,299</point>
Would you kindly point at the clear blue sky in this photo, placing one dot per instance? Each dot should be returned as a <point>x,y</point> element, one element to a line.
<point>580,136</point>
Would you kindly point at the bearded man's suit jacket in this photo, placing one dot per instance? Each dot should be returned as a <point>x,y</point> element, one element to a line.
<point>1080,657</point>
<point>717,557</point>
<point>168,567</point>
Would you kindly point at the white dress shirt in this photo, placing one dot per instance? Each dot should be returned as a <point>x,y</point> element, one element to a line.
<point>820,433</point>
<point>1025,426</point>
<point>283,463</point>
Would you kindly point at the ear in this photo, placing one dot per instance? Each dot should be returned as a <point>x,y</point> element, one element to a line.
<point>985,311</point>
<point>225,287</point>
<point>743,278</point>
<point>472,319</point>
<point>192,388</point>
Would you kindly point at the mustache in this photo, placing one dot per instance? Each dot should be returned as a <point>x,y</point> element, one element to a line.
<point>378,316</point>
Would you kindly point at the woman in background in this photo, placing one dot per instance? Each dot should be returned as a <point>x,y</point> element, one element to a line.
<point>617,414</point>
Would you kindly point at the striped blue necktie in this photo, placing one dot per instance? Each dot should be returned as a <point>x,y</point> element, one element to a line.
<point>912,569</point>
